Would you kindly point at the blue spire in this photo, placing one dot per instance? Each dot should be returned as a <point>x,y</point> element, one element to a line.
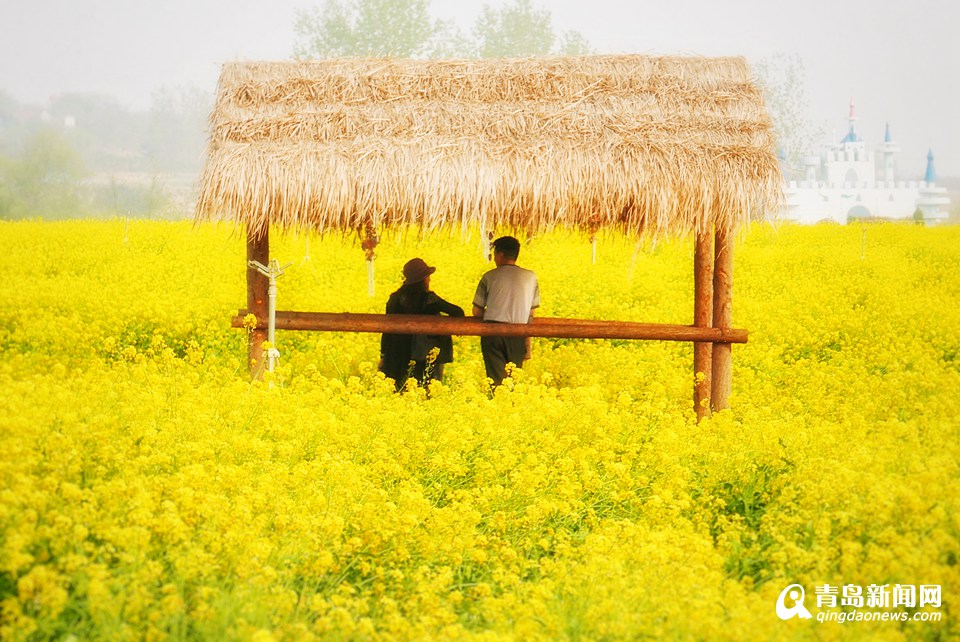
<point>886,136</point>
<point>930,175</point>
<point>851,136</point>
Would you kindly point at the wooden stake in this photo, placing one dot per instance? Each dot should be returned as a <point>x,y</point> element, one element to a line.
<point>258,249</point>
<point>703,318</point>
<point>369,246</point>
<point>722,319</point>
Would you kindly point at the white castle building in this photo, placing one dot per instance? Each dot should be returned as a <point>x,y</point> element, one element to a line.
<point>848,182</point>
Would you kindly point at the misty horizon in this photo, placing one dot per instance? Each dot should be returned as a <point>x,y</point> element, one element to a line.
<point>896,63</point>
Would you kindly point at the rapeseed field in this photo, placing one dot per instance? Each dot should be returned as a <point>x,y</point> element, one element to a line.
<point>150,490</point>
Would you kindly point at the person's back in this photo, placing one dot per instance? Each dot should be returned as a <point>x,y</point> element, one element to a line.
<point>510,292</point>
<point>506,294</point>
<point>398,351</point>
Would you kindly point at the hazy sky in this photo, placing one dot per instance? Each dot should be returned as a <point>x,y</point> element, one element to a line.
<point>899,62</point>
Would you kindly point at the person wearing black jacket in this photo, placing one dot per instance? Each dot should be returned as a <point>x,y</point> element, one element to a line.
<point>426,353</point>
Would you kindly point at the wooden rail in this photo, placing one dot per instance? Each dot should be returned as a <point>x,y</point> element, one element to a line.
<point>539,327</point>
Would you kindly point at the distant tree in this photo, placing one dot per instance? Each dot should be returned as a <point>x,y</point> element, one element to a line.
<point>176,125</point>
<point>44,181</point>
<point>401,28</point>
<point>144,198</point>
<point>405,28</point>
<point>451,42</point>
<point>781,78</point>
<point>574,43</point>
<point>11,131</point>
<point>7,200</point>
<point>8,110</point>
<point>103,131</point>
<point>514,30</point>
<point>520,29</point>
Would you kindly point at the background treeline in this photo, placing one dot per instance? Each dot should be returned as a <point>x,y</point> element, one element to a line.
<point>86,155</point>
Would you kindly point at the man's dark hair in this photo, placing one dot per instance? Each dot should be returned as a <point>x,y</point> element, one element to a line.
<point>508,246</point>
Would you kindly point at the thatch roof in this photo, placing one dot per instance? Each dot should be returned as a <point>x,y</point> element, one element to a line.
<point>640,143</point>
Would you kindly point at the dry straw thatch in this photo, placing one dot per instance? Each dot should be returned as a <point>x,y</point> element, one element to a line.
<point>638,143</point>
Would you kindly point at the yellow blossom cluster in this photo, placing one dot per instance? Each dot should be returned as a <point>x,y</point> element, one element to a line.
<point>150,490</point>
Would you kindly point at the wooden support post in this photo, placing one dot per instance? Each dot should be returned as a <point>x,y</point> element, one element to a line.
<point>703,318</point>
<point>258,249</point>
<point>722,319</point>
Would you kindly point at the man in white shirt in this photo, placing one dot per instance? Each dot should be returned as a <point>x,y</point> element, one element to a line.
<point>506,294</point>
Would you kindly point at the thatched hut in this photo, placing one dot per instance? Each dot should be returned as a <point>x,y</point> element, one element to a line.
<point>642,144</point>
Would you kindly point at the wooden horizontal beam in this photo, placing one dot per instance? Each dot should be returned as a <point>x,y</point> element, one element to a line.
<point>539,327</point>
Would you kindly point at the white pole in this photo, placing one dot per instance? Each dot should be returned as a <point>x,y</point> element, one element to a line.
<point>272,354</point>
<point>271,272</point>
